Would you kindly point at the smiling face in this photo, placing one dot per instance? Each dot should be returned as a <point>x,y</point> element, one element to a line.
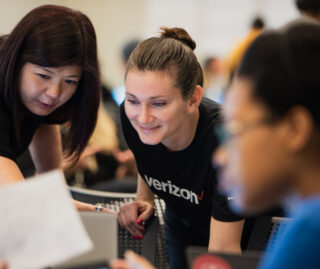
<point>156,109</point>
<point>44,89</point>
<point>255,163</point>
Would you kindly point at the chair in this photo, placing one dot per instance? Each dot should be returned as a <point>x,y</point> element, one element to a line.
<point>265,232</point>
<point>153,244</point>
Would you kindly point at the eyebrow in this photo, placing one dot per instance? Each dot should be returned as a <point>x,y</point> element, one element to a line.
<point>154,97</point>
<point>50,71</point>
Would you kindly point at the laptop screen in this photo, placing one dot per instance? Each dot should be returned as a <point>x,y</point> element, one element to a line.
<point>103,231</point>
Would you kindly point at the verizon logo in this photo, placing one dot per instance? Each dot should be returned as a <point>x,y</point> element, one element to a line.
<point>168,187</point>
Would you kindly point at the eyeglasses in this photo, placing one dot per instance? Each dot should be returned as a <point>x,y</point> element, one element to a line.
<point>227,131</point>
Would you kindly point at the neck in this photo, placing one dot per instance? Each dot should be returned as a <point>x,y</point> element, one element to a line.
<point>185,135</point>
<point>308,183</point>
<point>312,15</point>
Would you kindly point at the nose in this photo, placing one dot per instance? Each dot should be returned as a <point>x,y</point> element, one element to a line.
<point>220,157</point>
<point>53,90</point>
<point>144,114</point>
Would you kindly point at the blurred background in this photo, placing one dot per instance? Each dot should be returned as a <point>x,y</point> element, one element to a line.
<point>215,25</point>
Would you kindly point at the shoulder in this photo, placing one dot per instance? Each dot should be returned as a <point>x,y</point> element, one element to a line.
<point>210,118</point>
<point>210,111</point>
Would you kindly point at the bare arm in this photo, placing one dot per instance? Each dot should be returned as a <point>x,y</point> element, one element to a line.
<point>225,236</point>
<point>46,148</point>
<point>9,171</point>
<point>46,153</point>
<point>143,191</point>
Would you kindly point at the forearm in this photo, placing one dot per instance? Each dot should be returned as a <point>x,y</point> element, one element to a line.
<point>143,191</point>
<point>225,236</point>
<point>46,149</point>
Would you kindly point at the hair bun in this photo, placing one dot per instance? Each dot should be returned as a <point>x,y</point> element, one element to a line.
<point>178,34</point>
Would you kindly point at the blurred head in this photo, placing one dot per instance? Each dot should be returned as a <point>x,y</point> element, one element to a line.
<point>163,87</point>
<point>258,23</point>
<point>60,45</point>
<point>128,49</point>
<point>309,7</point>
<point>272,117</point>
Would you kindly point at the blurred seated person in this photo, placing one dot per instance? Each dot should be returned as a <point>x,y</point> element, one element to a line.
<point>237,53</point>
<point>118,92</point>
<point>102,165</point>
<point>214,79</point>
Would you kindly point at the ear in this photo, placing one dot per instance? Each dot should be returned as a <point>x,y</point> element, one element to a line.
<point>300,128</point>
<point>195,99</point>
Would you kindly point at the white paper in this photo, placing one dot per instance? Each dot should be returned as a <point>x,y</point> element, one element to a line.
<point>39,225</point>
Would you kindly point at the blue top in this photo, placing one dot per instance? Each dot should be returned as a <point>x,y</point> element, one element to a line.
<point>299,244</point>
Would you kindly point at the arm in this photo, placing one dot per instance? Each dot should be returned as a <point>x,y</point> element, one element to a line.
<point>225,236</point>
<point>132,214</point>
<point>143,192</point>
<point>46,153</point>
<point>46,148</point>
<point>9,171</point>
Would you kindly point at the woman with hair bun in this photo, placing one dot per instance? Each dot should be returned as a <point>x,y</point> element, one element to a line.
<point>170,129</point>
<point>49,75</point>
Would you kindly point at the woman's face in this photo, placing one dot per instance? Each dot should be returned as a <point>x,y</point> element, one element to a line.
<point>155,107</point>
<point>44,89</point>
<point>254,162</point>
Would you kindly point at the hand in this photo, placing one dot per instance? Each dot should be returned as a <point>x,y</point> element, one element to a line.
<point>132,261</point>
<point>132,215</point>
<point>81,206</point>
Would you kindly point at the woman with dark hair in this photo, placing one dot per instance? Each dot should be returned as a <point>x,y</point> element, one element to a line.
<point>49,76</point>
<point>170,130</point>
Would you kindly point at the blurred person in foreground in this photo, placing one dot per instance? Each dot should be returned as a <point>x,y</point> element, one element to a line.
<point>271,146</point>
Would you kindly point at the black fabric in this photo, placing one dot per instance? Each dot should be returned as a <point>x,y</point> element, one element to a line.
<point>28,124</point>
<point>187,173</point>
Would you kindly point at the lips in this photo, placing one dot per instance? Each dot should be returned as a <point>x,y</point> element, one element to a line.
<point>46,106</point>
<point>148,129</point>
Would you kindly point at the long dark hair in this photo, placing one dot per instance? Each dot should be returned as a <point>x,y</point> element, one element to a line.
<point>173,52</point>
<point>53,36</point>
<point>284,67</point>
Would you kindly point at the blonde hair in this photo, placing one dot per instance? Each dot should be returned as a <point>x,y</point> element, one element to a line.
<point>104,137</point>
<point>105,132</point>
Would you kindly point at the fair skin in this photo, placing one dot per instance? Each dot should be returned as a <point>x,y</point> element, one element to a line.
<point>3,265</point>
<point>160,114</point>
<point>43,90</point>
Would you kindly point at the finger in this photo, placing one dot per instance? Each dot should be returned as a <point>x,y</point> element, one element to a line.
<point>137,261</point>
<point>145,215</point>
<point>119,264</point>
<point>135,231</point>
<point>107,210</point>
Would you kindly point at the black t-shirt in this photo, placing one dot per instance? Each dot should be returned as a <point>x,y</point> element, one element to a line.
<point>9,146</point>
<point>186,179</point>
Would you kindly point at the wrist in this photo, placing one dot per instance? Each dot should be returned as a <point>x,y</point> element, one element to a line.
<point>144,200</point>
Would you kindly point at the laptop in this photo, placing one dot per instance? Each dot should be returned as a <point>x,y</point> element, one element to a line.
<point>199,257</point>
<point>103,231</point>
